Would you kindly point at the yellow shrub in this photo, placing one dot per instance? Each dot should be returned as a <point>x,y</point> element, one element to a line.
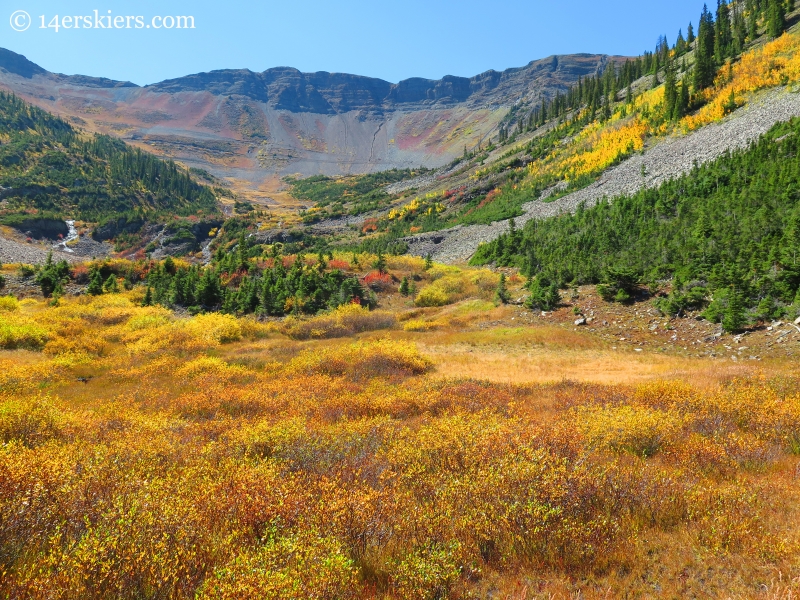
<point>346,320</point>
<point>438,271</point>
<point>22,334</point>
<point>445,290</point>
<point>8,303</point>
<point>149,317</point>
<point>638,430</point>
<point>421,325</point>
<point>362,360</point>
<point>30,421</point>
<point>302,566</point>
<point>214,328</point>
<point>205,365</point>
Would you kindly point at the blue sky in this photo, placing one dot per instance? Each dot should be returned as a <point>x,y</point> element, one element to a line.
<point>392,40</point>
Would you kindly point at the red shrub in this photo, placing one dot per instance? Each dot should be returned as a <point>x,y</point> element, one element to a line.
<point>80,274</point>
<point>377,281</point>
<point>370,225</point>
<point>342,265</point>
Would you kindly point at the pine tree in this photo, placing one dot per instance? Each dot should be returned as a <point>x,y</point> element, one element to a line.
<point>704,68</point>
<point>110,285</point>
<point>95,287</point>
<point>776,18</point>
<point>148,297</point>
<point>739,31</point>
<point>404,288</point>
<point>680,44</point>
<point>670,91</point>
<point>428,261</point>
<point>723,37</point>
<point>544,294</point>
<point>380,263</point>
<point>682,104</point>
<point>791,242</point>
<point>733,316</point>
<point>690,34</point>
<point>501,295</point>
<point>752,20</point>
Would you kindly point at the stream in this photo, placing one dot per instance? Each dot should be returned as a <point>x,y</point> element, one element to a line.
<point>72,234</point>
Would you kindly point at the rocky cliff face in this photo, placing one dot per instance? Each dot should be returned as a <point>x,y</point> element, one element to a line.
<point>250,127</point>
<point>285,88</point>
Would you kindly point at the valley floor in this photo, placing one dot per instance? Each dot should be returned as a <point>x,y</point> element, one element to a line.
<point>463,451</point>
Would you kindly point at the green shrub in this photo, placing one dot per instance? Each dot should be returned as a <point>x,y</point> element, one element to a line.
<point>21,335</point>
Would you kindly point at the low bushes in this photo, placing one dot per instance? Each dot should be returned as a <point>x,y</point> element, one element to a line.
<point>346,320</point>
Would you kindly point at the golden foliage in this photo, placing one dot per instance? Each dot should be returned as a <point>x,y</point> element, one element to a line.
<point>182,463</point>
<point>345,320</point>
<point>776,63</point>
<point>596,148</point>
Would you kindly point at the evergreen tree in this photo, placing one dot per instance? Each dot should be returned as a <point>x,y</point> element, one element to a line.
<point>501,295</point>
<point>704,67</point>
<point>380,263</point>
<point>680,44</point>
<point>428,262</point>
<point>95,287</point>
<point>110,285</point>
<point>690,34</point>
<point>682,104</point>
<point>776,18</point>
<point>670,91</point>
<point>739,31</point>
<point>544,294</point>
<point>733,316</point>
<point>791,242</point>
<point>404,288</point>
<point>723,38</point>
<point>752,20</point>
<point>51,276</point>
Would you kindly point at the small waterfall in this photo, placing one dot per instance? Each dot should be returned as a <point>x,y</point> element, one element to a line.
<point>72,234</point>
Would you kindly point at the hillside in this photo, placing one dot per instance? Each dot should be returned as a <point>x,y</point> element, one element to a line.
<point>51,172</point>
<point>48,166</point>
<point>594,140</point>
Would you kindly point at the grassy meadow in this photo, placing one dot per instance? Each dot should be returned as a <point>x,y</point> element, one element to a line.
<point>422,452</point>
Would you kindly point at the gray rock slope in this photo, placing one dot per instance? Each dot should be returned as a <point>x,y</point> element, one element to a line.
<point>668,159</point>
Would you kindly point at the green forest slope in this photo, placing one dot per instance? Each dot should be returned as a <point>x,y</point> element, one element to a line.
<point>49,168</point>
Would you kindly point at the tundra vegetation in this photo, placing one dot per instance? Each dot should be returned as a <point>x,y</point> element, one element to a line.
<point>149,453</point>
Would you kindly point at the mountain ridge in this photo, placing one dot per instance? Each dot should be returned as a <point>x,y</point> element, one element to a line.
<point>249,127</point>
<point>247,82</point>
